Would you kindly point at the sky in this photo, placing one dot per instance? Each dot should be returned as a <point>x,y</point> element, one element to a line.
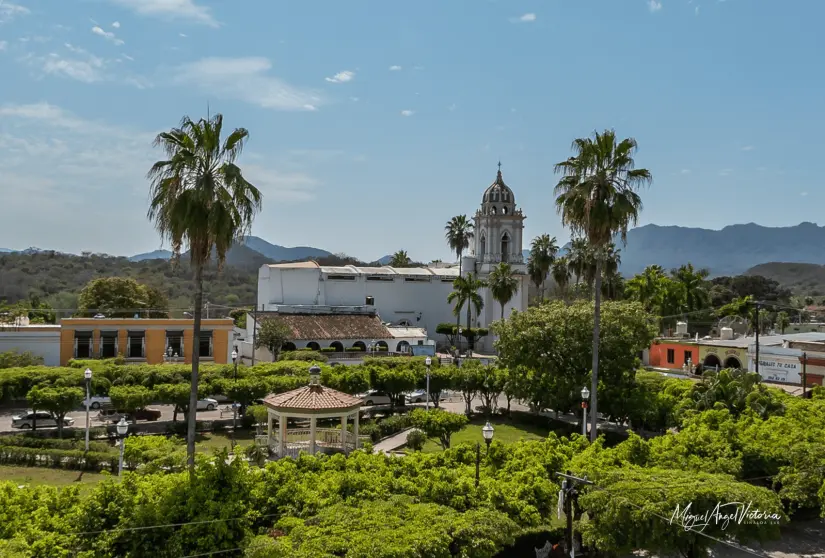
<point>372,123</point>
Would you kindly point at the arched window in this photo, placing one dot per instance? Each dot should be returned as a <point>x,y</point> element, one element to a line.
<point>314,346</point>
<point>483,246</point>
<point>504,210</point>
<point>337,346</point>
<point>505,247</point>
<point>493,210</point>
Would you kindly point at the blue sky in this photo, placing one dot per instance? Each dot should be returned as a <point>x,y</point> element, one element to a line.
<point>372,123</point>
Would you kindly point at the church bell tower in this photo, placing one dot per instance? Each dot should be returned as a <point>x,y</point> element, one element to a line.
<point>499,227</point>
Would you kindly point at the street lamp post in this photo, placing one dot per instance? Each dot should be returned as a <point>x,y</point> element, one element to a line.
<point>460,331</point>
<point>585,398</point>
<point>428,361</point>
<point>88,375</point>
<point>122,429</point>
<point>234,403</point>
<point>487,431</point>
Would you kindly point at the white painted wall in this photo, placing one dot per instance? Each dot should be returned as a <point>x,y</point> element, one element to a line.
<point>45,344</point>
<point>777,364</point>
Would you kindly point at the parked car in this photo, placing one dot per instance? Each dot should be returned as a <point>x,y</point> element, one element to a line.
<point>420,396</point>
<point>114,415</point>
<point>207,404</point>
<point>98,401</point>
<point>375,397</point>
<point>44,420</point>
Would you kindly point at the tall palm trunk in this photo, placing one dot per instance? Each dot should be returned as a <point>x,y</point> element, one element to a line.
<point>594,420</point>
<point>191,416</point>
<point>458,314</point>
<point>469,319</point>
<point>502,310</point>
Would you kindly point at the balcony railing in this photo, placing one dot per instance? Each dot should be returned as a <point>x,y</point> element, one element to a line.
<point>327,440</point>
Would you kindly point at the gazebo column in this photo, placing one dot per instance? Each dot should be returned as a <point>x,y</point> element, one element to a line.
<point>281,435</point>
<point>355,428</point>
<point>344,433</point>
<point>312,436</point>
<point>269,429</point>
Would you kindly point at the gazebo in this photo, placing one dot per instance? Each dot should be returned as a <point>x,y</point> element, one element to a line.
<point>312,402</point>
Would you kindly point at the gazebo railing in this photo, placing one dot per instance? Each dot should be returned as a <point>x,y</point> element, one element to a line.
<point>298,439</point>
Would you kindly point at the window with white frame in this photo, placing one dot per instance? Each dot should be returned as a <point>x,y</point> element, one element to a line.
<point>205,345</point>
<point>136,344</point>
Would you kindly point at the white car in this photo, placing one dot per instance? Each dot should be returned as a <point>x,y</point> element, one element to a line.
<point>207,404</point>
<point>375,397</point>
<point>44,419</point>
<point>98,401</point>
<point>420,396</point>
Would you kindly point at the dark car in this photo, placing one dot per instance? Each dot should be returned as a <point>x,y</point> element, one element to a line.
<point>113,415</point>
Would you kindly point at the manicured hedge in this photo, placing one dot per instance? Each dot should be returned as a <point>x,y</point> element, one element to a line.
<point>59,458</point>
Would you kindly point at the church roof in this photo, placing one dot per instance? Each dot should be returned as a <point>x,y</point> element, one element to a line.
<point>498,191</point>
<point>312,398</point>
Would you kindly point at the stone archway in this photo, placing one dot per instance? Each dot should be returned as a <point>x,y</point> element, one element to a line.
<point>314,346</point>
<point>732,362</point>
<point>288,346</point>
<point>402,347</point>
<point>360,345</point>
<point>382,346</point>
<point>337,346</point>
<point>712,361</point>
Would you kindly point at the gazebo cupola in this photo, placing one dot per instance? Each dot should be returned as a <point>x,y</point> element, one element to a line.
<point>311,402</point>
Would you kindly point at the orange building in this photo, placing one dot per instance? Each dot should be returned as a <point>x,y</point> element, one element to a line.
<point>673,354</point>
<point>144,340</point>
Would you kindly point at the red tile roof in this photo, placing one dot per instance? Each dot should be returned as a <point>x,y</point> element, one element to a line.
<point>333,327</point>
<point>312,398</point>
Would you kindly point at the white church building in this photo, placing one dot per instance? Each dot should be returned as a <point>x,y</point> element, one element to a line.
<point>415,297</point>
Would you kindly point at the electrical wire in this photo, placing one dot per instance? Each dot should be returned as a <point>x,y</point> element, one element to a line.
<point>168,525</point>
<point>212,553</point>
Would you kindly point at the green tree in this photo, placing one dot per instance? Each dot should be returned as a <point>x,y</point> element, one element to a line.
<point>458,232</point>
<point>272,333</point>
<point>442,378</point>
<point>543,252</point>
<point>245,390</point>
<point>400,259</point>
<point>503,284</point>
<point>579,257</point>
<point>437,423</point>
<point>130,398</point>
<point>490,385</point>
<point>782,321</point>
<point>598,198</point>
<point>561,274</point>
<point>646,287</point>
<point>59,401</point>
<point>200,199</point>
<point>465,292</point>
<point>122,297</point>
<point>694,282</point>
<point>551,345</point>
<point>177,395</point>
<point>536,275</point>
<point>13,359</point>
<point>393,381</point>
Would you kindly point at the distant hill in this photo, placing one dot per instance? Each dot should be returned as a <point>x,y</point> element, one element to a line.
<point>153,255</point>
<point>800,278</point>
<point>731,251</point>
<point>277,253</point>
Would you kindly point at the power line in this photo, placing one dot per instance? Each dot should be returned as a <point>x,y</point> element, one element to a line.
<point>213,552</point>
<point>168,525</point>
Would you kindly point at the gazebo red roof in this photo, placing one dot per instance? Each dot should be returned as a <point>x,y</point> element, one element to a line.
<point>312,398</point>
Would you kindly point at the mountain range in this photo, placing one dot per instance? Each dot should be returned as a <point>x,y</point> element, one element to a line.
<point>732,250</point>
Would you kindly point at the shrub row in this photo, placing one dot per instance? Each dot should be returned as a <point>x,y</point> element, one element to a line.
<point>384,427</point>
<point>65,459</point>
<point>51,443</point>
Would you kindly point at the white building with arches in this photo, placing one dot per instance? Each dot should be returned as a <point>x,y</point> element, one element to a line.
<point>412,297</point>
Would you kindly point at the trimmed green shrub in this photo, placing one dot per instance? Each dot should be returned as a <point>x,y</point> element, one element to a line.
<point>416,440</point>
<point>307,355</point>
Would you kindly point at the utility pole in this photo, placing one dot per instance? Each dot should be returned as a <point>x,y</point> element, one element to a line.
<point>757,337</point>
<point>804,373</point>
<point>569,492</point>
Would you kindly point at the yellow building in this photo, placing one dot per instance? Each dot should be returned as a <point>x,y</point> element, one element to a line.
<point>144,340</point>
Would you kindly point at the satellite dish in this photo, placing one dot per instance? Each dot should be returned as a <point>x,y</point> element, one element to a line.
<point>736,323</point>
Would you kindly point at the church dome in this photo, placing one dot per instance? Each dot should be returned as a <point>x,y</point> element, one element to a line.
<point>498,191</point>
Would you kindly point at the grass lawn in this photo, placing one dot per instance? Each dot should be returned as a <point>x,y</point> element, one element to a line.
<point>506,431</point>
<point>46,475</point>
<point>211,441</point>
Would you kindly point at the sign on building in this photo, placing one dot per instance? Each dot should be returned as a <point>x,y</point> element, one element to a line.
<point>785,371</point>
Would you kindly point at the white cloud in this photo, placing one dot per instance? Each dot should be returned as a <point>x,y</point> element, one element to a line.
<point>184,10</point>
<point>3,45</point>
<point>685,171</point>
<point>248,80</point>
<point>725,172</point>
<point>341,77</point>
<point>184,35</point>
<point>527,18</point>
<point>654,5</point>
<point>395,68</point>
<point>83,66</point>
<point>696,10</point>
<point>127,57</point>
<point>9,11</point>
<point>108,35</point>
<point>116,25</point>
<point>803,194</point>
<point>748,148</point>
<point>451,107</point>
<point>284,186</point>
<point>407,112</point>
<point>354,99</point>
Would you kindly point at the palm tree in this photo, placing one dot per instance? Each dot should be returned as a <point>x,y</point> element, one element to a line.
<point>400,259</point>
<point>459,233</point>
<point>200,199</point>
<point>535,273</point>
<point>543,252</point>
<point>782,321</point>
<point>503,284</point>
<point>578,258</point>
<point>597,198</point>
<point>561,273</point>
<point>465,291</point>
<point>694,282</point>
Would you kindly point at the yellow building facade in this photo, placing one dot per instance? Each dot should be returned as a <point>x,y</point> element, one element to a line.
<point>148,341</point>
